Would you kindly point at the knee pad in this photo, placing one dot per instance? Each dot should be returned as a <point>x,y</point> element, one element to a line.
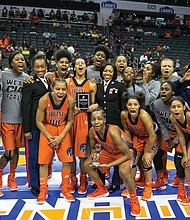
<point>157,158</point>
<point>8,158</point>
<point>147,168</point>
<point>177,161</point>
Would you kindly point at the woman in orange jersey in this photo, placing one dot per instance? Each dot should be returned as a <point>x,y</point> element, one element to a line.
<point>181,120</point>
<point>62,59</point>
<point>140,128</point>
<point>79,131</point>
<point>54,118</point>
<point>115,150</point>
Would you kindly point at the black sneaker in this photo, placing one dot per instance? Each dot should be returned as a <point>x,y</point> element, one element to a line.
<point>34,190</point>
<point>113,188</point>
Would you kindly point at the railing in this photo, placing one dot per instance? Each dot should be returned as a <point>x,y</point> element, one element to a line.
<point>128,54</point>
<point>135,63</point>
<point>135,60</point>
<point>110,35</point>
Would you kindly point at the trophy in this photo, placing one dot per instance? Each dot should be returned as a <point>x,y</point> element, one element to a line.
<point>83,100</point>
<point>97,152</point>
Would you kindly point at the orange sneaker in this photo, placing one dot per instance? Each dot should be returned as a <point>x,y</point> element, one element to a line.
<point>1,180</point>
<point>181,192</point>
<point>147,193</point>
<point>175,181</point>
<point>125,193</point>
<point>11,183</point>
<point>1,194</point>
<point>186,201</point>
<point>135,206</point>
<point>159,184</point>
<point>73,184</point>
<point>65,193</point>
<point>83,183</point>
<point>101,191</point>
<point>165,176</point>
<point>43,195</point>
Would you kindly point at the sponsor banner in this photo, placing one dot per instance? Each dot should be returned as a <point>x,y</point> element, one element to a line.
<point>167,10</point>
<point>108,4</point>
<point>151,7</point>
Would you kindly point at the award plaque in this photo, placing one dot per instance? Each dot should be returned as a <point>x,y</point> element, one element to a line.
<point>83,100</point>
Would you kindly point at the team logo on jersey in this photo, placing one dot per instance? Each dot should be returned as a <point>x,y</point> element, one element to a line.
<point>69,152</point>
<point>83,147</point>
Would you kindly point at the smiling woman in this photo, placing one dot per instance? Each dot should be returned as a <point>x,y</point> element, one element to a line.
<point>55,136</point>
<point>116,149</point>
<point>108,96</point>
<point>109,93</point>
<point>31,93</point>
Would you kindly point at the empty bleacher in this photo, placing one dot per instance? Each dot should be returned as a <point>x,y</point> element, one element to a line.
<point>179,46</point>
<point>68,36</point>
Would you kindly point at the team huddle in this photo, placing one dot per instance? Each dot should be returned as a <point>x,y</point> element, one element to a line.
<point>131,121</point>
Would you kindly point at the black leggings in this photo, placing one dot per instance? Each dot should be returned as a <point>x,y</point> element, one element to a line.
<point>158,160</point>
<point>177,161</point>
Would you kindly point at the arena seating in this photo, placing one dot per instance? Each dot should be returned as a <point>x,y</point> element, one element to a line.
<point>68,36</point>
<point>179,46</point>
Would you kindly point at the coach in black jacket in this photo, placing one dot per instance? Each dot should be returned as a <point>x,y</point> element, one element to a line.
<point>109,97</point>
<point>31,93</point>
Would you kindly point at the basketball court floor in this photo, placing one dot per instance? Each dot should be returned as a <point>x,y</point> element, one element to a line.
<point>21,205</point>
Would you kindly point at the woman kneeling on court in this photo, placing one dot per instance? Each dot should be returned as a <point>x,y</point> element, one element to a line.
<point>115,150</point>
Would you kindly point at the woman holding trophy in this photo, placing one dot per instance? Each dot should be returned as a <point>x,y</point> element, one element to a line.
<point>115,150</point>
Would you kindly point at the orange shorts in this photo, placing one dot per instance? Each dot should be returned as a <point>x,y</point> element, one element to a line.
<point>163,143</point>
<point>106,157</point>
<point>12,136</point>
<point>141,143</point>
<point>79,134</point>
<point>64,151</point>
